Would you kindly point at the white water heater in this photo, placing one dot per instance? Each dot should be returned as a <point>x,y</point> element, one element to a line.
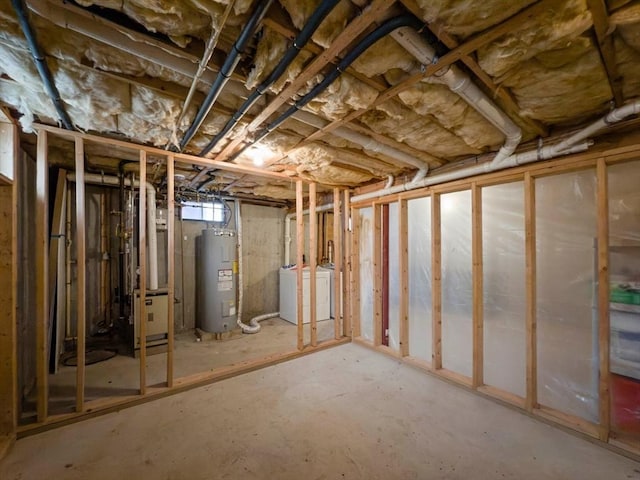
<point>216,280</point>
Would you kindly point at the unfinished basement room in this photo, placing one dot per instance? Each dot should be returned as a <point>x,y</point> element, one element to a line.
<point>285,239</point>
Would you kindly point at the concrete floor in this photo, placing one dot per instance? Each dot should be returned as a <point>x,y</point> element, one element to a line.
<point>120,375</point>
<point>346,412</point>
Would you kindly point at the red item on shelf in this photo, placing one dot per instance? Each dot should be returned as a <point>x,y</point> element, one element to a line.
<point>625,404</point>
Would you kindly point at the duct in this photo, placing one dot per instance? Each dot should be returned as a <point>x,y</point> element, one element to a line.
<point>460,83</point>
<point>287,228</point>
<point>254,326</point>
<point>226,71</point>
<point>574,144</point>
<point>390,180</point>
<point>366,142</point>
<point>202,66</point>
<point>319,14</point>
<point>111,181</point>
<point>41,64</point>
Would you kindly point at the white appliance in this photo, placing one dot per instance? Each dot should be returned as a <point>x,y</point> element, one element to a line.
<point>289,297</point>
<point>156,326</point>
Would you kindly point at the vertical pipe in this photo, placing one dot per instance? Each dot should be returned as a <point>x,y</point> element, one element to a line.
<point>299,262</point>
<point>531,324</point>
<point>313,254</point>
<point>403,236</point>
<point>42,274</point>
<point>603,301</point>
<point>478,310</point>
<point>337,264</point>
<point>122,264</point>
<point>142,282</point>
<point>103,259</point>
<point>68,265</point>
<point>436,284</point>
<point>81,259</point>
<point>171,221</point>
<point>385,274</point>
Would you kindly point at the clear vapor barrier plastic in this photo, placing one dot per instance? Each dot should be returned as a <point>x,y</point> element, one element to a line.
<point>457,300</point>
<point>420,324</point>
<point>504,295</point>
<point>394,277</point>
<point>567,316</point>
<point>624,297</point>
<point>366,273</point>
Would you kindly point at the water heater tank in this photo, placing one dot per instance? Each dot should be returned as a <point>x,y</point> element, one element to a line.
<point>216,285</point>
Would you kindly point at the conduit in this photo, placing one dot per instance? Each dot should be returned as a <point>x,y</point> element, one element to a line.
<point>111,181</point>
<point>226,71</point>
<point>573,144</point>
<point>254,326</point>
<point>41,64</point>
<point>202,67</point>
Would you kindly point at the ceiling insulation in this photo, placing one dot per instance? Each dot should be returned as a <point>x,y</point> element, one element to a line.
<point>133,83</point>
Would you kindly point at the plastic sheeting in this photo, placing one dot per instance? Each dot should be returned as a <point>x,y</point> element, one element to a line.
<point>566,313</point>
<point>624,306</point>
<point>366,273</point>
<point>420,323</point>
<point>394,277</point>
<point>504,295</point>
<point>457,284</point>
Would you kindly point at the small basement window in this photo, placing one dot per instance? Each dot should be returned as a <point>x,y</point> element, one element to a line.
<point>205,211</point>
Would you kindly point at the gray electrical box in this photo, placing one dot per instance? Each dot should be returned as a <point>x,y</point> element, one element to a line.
<point>217,282</point>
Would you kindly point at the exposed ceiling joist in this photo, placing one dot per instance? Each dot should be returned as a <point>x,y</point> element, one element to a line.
<point>371,14</point>
<point>600,17</point>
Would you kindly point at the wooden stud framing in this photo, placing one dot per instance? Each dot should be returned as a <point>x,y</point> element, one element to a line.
<point>42,275</point>
<point>531,325</point>
<point>337,265</point>
<point>171,221</point>
<point>377,274</point>
<point>436,283</point>
<point>81,285</point>
<point>403,236</point>
<point>9,151</point>
<point>478,311</point>
<point>603,300</point>
<point>348,277</point>
<point>354,286</point>
<point>299,262</point>
<point>313,259</point>
<point>142,282</point>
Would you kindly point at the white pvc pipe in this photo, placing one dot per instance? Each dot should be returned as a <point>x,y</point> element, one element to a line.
<point>240,265</point>
<point>287,228</point>
<point>254,326</point>
<point>363,140</point>
<point>573,144</point>
<point>152,233</point>
<point>460,83</point>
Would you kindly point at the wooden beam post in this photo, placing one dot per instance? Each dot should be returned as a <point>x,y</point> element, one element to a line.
<point>530,254</point>
<point>313,260</point>
<point>171,262</point>
<point>603,300</point>
<point>347,277</point>
<point>142,282</point>
<point>436,283</point>
<point>354,286</point>
<point>9,152</point>
<point>403,236</point>
<point>42,275</point>
<point>81,284</point>
<point>337,264</point>
<point>478,311</point>
<point>377,274</point>
<point>299,261</point>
